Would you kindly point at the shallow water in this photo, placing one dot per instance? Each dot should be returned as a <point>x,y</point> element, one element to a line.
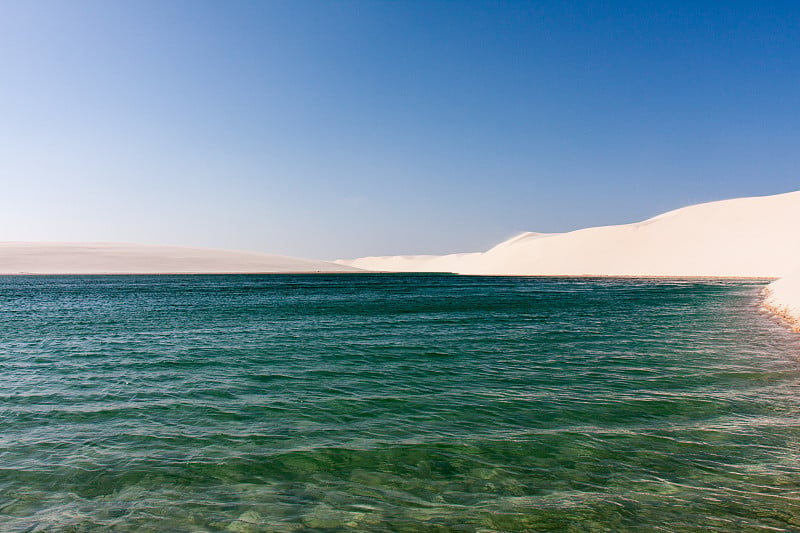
<point>395,403</point>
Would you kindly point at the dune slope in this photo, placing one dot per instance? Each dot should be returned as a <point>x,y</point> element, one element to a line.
<point>745,237</point>
<point>120,258</point>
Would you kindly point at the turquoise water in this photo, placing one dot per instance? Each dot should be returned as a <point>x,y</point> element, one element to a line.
<point>394,403</point>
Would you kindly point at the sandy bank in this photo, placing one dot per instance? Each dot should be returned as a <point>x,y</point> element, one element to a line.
<point>783,298</point>
<point>121,258</point>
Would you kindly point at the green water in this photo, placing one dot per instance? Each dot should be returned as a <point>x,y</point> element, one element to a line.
<point>394,403</point>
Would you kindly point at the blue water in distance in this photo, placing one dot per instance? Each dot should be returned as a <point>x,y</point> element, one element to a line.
<point>400,403</point>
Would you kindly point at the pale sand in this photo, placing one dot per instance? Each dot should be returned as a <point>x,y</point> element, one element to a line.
<point>121,258</point>
<point>783,298</point>
<point>745,237</point>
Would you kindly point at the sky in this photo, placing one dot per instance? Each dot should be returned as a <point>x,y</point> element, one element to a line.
<point>335,129</point>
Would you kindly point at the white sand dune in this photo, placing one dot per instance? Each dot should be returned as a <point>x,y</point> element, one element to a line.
<point>120,258</point>
<point>745,237</point>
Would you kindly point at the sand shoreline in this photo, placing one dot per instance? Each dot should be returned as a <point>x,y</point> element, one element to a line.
<point>782,299</point>
<point>375,272</point>
<point>744,238</point>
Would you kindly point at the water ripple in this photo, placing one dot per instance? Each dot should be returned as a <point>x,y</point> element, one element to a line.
<point>395,403</point>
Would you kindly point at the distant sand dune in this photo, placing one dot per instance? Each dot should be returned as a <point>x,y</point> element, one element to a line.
<point>120,258</point>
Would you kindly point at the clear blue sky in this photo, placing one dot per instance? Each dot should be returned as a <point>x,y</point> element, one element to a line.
<point>347,128</point>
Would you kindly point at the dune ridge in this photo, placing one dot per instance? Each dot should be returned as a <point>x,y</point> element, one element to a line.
<point>744,237</point>
<point>125,258</point>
